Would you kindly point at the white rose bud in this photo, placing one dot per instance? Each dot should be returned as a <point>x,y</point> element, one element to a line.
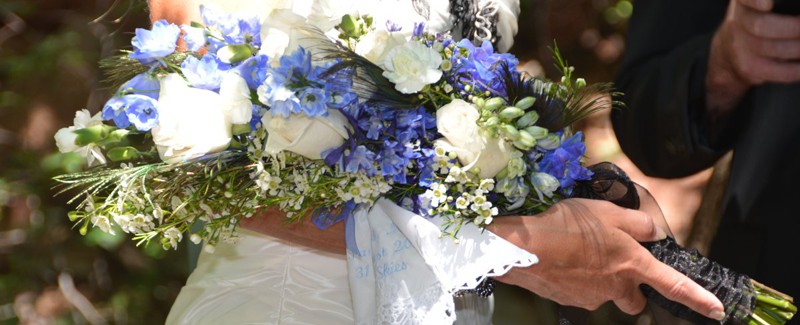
<point>280,33</point>
<point>192,122</point>
<point>457,122</point>
<point>65,140</point>
<point>305,136</point>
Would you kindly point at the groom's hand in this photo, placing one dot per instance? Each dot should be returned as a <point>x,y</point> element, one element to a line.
<point>752,46</point>
<point>589,253</point>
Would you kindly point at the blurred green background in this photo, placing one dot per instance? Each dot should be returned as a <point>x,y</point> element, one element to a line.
<point>49,273</point>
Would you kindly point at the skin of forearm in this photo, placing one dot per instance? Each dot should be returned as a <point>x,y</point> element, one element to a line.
<point>273,222</point>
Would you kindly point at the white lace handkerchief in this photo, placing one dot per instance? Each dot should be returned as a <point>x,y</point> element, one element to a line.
<point>404,273</point>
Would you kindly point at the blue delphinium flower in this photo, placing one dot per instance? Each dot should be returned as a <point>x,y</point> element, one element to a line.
<point>564,164</point>
<point>211,16</point>
<point>282,101</point>
<point>361,159</point>
<point>115,110</point>
<point>298,87</point>
<point>371,121</point>
<point>335,156</point>
<point>231,28</point>
<point>211,19</point>
<point>143,84</point>
<point>397,138</point>
<point>247,31</point>
<point>149,46</point>
<point>478,67</point>
<point>418,29</point>
<point>415,124</point>
<point>313,102</point>
<point>139,110</point>
<point>393,27</point>
<point>296,66</point>
<point>255,120</point>
<point>324,217</point>
<point>205,73</point>
<point>275,94</point>
<point>339,87</point>
<point>143,113</point>
<point>194,37</point>
<point>254,70</point>
<point>393,163</point>
<point>427,166</point>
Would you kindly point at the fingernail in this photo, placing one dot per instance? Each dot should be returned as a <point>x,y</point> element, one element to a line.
<point>660,233</point>
<point>717,314</point>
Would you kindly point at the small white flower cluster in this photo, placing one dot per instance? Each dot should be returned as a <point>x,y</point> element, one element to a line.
<point>129,198</point>
<point>480,205</point>
<point>172,236</point>
<point>362,189</point>
<point>459,194</point>
<point>135,223</point>
<point>268,183</point>
<point>103,223</point>
<point>442,160</point>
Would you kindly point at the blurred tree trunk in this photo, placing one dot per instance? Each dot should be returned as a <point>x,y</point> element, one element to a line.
<point>706,220</point>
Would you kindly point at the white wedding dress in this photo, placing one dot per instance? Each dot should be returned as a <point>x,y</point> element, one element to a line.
<point>264,280</point>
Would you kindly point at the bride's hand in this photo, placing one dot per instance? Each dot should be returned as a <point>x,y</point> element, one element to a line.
<point>589,253</point>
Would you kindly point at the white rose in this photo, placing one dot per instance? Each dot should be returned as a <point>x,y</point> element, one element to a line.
<point>236,98</point>
<point>326,14</point>
<point>191,121</point>
<point>305,136</point>
<point>457,122</point>
<point>377,44</point>
<point>280,34</point>
<point>412,66</point>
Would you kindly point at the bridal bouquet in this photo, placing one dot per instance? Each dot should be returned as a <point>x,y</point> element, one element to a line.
<point>280,114</point>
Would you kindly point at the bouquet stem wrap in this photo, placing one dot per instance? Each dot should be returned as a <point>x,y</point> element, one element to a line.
<point>735,290</point>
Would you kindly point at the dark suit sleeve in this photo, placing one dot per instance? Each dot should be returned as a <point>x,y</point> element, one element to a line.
<point>663,127</point>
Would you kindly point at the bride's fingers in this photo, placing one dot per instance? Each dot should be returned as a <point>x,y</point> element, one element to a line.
<point>638,225</point>
<point>677,287</point>
<point>632,304</point>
